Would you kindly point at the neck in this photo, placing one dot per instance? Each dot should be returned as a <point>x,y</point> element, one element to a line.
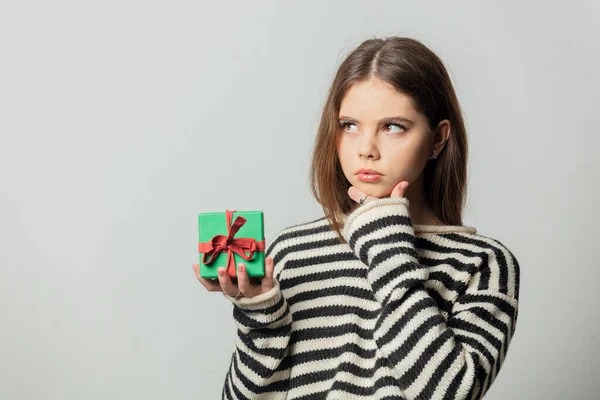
<point>420,212</point>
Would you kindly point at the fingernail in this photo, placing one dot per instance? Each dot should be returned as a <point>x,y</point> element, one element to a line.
<point>221,271</point>
<point>241,267</point>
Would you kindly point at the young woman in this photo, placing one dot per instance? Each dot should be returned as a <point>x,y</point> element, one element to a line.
<point>388,295</point>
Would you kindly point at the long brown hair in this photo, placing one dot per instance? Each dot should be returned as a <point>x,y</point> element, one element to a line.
<point>414,70</point>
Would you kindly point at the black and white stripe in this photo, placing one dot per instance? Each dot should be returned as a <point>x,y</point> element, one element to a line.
<point>398,312</point>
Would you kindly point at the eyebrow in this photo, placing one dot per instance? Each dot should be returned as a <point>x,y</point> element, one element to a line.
<point>381,121</point>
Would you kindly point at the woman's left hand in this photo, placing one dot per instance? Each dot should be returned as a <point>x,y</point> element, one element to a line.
<point>356,194</point>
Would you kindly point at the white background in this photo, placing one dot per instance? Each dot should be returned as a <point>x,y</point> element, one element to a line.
<point>121,120</point>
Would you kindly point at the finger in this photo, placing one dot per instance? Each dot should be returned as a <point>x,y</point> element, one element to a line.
<point>197,272</point>
<point>227,287</point>
<point>400,189</point>
<point>356,194</point>
<point>212,285</point>
<point>267,281</point>
<point>243,280</point>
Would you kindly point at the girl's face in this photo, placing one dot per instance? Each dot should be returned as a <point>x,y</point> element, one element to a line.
<point>381,130</point>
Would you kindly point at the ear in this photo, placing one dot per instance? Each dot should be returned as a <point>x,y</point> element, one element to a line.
<point>442,134</point>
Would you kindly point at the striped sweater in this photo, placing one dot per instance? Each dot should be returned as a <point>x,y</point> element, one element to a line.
<point>401,311</point>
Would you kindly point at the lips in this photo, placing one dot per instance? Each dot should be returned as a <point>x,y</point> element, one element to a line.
<point>368,171</point>
<point>368,175</point>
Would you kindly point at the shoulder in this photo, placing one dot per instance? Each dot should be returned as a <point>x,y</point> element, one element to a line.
<point>498,269</point>
<point>286,239</point>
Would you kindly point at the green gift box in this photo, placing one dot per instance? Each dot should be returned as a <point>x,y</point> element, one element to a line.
<point>228,238</point>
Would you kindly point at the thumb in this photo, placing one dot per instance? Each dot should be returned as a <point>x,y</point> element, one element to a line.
<point>400,189</point>
<point>267,281</point>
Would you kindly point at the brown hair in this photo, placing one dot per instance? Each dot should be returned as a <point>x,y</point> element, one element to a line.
<point>414,70</point>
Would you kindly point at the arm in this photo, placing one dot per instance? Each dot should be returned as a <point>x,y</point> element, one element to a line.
<point>431,357</point>
<point>263,323</point>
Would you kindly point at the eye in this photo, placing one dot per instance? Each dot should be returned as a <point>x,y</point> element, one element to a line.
<point>343,125</point>
<point>396,125</point>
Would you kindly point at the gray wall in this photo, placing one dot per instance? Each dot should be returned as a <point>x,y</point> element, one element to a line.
<point>121,120</point>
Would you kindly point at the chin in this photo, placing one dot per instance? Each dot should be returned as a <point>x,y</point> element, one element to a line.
<point>374,189</point>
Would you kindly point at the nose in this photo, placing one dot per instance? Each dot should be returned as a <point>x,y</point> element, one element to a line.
<point>368,147</point>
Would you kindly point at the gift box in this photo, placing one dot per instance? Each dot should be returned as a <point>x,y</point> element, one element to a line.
<point>228,238</point>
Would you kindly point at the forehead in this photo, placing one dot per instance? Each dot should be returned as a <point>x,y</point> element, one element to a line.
<point>376,99</point>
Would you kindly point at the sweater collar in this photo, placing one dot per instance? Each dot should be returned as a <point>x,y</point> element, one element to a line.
<point>423,228</point>
<point>419,228</point>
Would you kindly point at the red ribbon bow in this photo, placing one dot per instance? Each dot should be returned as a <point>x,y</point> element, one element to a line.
<point>219,243</point>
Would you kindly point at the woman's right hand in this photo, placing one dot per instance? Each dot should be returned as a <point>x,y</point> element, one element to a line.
<point>247,289</point>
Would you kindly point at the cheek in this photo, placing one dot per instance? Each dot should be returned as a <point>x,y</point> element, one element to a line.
<point>343,152</point>
<point>409,159</point>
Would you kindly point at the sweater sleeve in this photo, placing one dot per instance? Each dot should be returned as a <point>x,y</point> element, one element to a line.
<point>432,354</point>
<point>259,368</point>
